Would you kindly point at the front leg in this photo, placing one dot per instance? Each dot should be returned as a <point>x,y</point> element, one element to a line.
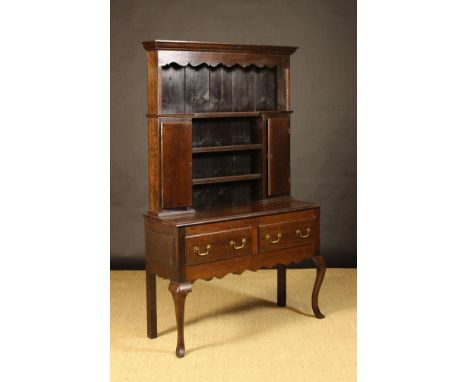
<point>179,293</point>
<point>319,263</point>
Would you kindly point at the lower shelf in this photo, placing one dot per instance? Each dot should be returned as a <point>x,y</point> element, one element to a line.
<point>223,179</point>
<point>218,149</point>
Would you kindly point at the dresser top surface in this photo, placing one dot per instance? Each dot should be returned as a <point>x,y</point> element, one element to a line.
<point>216,47</point>
<point>219,214</point>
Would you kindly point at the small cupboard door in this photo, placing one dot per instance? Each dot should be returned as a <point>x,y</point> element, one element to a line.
<point>278,156</point>
<point>176,164</point>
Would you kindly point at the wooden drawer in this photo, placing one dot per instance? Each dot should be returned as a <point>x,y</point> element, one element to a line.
<point>296,233</point>
<point>214,246</point>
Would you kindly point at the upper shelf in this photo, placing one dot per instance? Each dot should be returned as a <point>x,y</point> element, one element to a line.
<point>194,77</point>
<point>216,47</point>
<point>186,89</point>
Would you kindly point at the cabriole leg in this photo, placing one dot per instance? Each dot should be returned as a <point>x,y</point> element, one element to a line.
<point>319,263</point>
<point>179,292</point>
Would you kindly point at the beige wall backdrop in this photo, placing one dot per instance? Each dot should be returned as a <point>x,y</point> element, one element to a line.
<point>323,75</point>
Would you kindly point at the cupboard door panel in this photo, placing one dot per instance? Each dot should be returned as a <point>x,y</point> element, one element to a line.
<point>278,156</point>
<point>176,164</point>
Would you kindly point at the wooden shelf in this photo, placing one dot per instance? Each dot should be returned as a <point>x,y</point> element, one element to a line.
<point>223,179</point>
<point>227,114</point>
<point>217,149</point>
<point>220,114</point>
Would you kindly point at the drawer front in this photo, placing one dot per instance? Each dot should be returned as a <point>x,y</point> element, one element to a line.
<point>296,233</point>
<point>214,246</point>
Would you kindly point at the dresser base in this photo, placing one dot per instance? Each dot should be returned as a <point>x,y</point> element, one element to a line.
<point>207,244</point>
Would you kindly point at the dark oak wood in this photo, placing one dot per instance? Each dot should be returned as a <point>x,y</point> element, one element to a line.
<point>252,263</point>
<point>197,91</point>
<point>215,149</point>
<point>152,72</point>
<point>214,132</point>
<point>216,46</point>
<point>278,156</point>
<point>242,89</point>
<point>176,164</point>
<point>265,89</point>
<point>229,60</point>
<point>281,285</point>
<point>220,89</point>
<point>153,165</point>
<point>179,292</point>
<point>160,248</point>
<point>223,194</point>
<point>223,179</point>
<point>151,314</point>
<point>204,88</point>
<point>267,207</point>
<point>173,94</point>
<point>218,171</point>
<point>215,246</point>
<point>295,233</point>
<point>319,263</point>
<point>235,114</point>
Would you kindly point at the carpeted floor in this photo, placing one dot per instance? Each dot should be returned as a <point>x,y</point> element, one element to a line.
<point>235,332</point>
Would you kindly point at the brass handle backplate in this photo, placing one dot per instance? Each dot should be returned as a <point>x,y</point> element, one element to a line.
<point>197,250</point>
<point>232,243</point>
<point>299,233</point>
<point>268,237</point>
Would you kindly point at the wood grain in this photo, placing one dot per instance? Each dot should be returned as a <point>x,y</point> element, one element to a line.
<point>197,94</point>
<point>242,89</point>
<point>319,263</point>
<point>179,292</point>
<point>220,89</point>
<point>224,179</point>
<point>213,149</point>
<point>289,236</point>
<point>216,46</point>
<point>151,314</point>
<point>220,247</point>
<point>153,165</point>
<point>176,164</point>
<point>152,87</point>
<point>265,89</point>
<point>252,263</point>
<point>173,89</point>
<point>278,156</point>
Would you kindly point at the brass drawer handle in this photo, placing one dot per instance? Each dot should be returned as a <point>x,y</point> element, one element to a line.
<point>197,250</point>
<point>232,243</point>
<point>268,237</point>
<point>299,233</point>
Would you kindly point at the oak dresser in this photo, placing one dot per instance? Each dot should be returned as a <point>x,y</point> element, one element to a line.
<point>219,171</point>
